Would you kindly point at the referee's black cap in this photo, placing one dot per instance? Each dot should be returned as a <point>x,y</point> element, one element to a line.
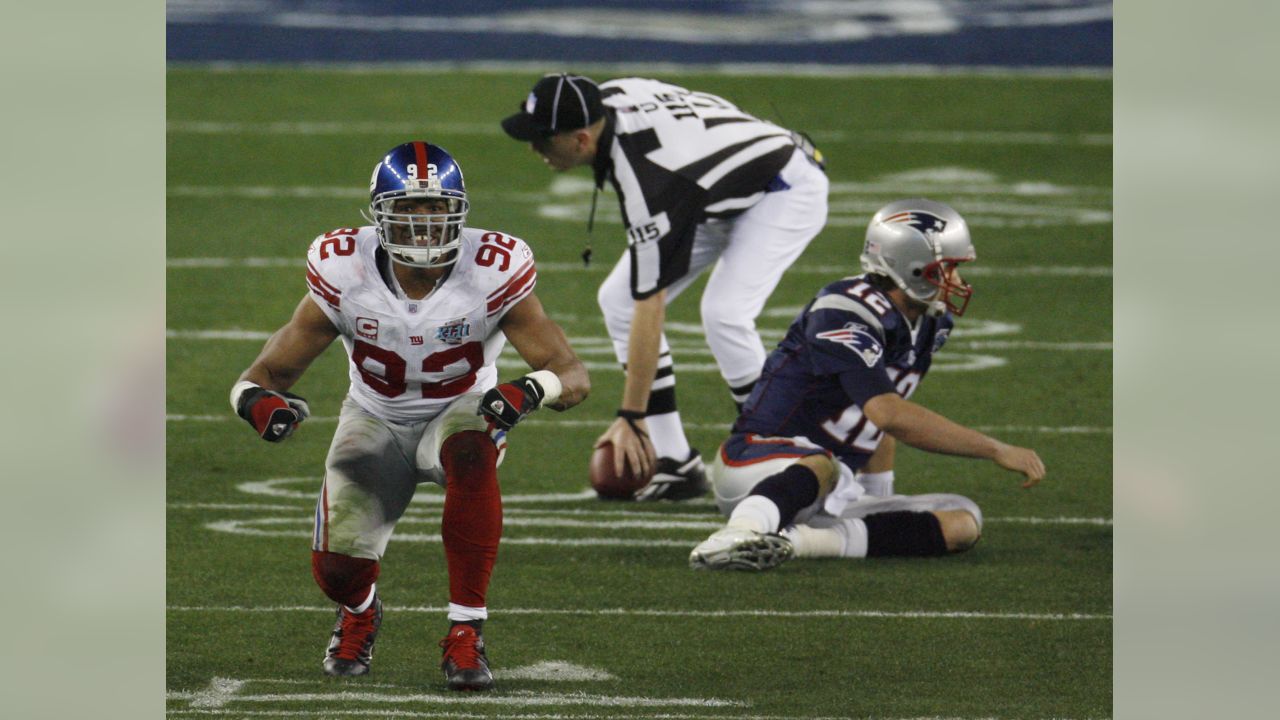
<point>558,103</point>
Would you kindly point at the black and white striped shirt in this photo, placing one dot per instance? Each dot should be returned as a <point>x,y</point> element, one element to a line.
<point>676,158</point>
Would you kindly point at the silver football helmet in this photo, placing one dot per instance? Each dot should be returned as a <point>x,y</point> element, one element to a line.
<point>918,244</point>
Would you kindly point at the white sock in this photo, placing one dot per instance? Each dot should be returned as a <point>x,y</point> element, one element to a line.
<point>756,513</point>
<point>463,613</point>
<point>373,591</point>
<point>877,484</point>
<point>814,542</point>
<point>667,435</point>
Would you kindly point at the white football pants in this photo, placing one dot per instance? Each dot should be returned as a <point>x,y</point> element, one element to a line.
<point>751,252</point>
<point>373,469</point>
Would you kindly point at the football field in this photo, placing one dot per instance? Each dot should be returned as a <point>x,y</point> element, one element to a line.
<point>594,612</point>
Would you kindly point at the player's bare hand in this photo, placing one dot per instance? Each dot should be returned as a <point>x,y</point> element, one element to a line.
<point>630,446</point>
<point>1021,460</point>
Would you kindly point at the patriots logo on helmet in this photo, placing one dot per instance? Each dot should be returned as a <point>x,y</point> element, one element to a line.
<point>857,338</point>
<point>922,221</point>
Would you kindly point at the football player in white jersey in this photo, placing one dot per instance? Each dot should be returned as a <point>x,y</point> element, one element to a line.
<point>807,470</point>
<point>424,306</point>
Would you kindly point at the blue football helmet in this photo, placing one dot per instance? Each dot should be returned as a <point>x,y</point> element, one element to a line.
<point>418,237</point>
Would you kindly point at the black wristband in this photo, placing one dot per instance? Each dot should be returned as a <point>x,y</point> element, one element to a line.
<point>631,416</point>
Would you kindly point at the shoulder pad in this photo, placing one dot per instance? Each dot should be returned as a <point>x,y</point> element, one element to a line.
<point>869,313</point>
<point>334,262</point>
<point>501,265</point>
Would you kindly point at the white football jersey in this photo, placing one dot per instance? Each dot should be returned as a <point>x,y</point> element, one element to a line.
<point>411,358</point>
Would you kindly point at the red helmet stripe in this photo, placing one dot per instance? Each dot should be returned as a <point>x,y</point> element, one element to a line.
<point>420,149</point>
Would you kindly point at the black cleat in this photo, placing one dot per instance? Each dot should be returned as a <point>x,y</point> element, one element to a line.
<point>465,665</point>
<point>676,479</point>
<point>351,646</point>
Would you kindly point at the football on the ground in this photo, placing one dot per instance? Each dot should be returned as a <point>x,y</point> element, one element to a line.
<point>608,484</point>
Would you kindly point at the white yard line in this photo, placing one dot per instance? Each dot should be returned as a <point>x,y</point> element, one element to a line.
<point>220,692</point>
<point>382,127</point>
<point>634,517</point>
<point>512,699</point>
<point>658,69</point>
<point>664,612</point>
<point>602,346</point>
<point>604,267</point>
<point>245,528</point>
<point>603,423</point>
<point>539,716</point>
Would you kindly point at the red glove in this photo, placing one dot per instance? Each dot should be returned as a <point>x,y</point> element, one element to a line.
<point>509,403</point>
<point>275,415</point>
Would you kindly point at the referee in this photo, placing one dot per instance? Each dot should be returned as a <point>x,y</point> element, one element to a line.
<point>700,183</point>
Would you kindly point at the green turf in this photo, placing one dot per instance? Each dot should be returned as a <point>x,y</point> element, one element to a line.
<point>1028,161</point>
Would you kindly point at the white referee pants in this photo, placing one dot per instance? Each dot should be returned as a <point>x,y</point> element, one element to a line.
<point>750,252</point>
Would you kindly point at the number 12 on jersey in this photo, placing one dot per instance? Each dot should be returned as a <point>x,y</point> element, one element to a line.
<point>852,423</point>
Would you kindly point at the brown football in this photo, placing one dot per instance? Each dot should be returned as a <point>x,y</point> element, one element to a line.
<point>607,484</point>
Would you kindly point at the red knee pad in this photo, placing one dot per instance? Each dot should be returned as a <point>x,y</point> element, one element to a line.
<point>345,579</point>
<point>470,461</point>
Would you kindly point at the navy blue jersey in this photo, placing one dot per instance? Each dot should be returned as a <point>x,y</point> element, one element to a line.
<point>847,346</point>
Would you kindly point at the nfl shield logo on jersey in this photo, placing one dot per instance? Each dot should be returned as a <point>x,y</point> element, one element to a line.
<point>454,332</point>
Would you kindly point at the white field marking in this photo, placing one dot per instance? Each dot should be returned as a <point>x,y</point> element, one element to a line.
<point>1050,521</point>
<point>539,716</point>
<point>1030,345</point>
<point>220,692</point>
<point>271,488</point>
<point>602,346</point>
<point>854,215</point>
<point>687,336</point>
<point>602,268</point>
<point>295,681</point>
<point>724,427</point>
<point>555,671</point>
<point>229,506</point>
<point>1011,204</point>
<point>635,512</point>
<point>509,360</point>
<point>1057,430</point>
<point>243,527</point>
<point>514,699</point>
<point>655,522</point>
<point>255,528</point>
<point>665,612</point>
<point>267,192</point>
<point>658,69</point>
<point>382,127</point>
